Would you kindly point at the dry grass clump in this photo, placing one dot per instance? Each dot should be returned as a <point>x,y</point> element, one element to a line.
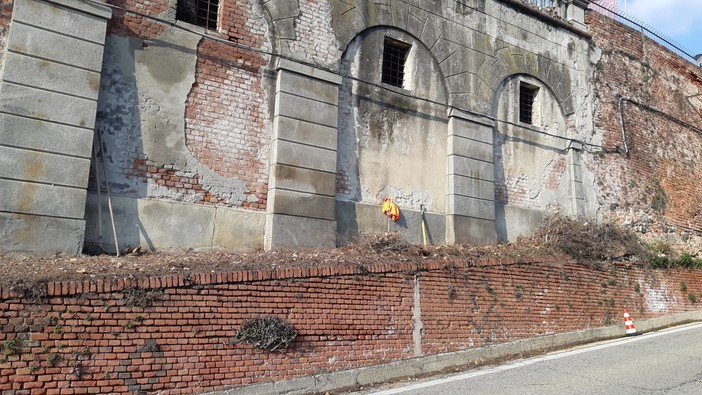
<point>588,241</point>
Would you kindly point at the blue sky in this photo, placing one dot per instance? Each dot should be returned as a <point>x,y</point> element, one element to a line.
<point>680,20</point>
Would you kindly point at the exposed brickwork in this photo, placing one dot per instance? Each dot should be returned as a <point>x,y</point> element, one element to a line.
<point>226,117</point>
<point>84,337</point>
<point>5,18</point>
<point>655,189</point>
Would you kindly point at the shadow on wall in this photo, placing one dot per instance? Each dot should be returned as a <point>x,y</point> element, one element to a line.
<point>117,155</point>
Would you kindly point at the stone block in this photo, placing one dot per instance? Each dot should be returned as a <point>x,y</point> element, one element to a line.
<point>285,231</point>
<point>71,21</point>
<point>323,75</point>
<point>27,70</point>
<point>470,148</point>
<point>467,167</point>
<point>287,153</point>
<point>471,207</point>
<point>462,229</point>
<point>281,201</point>
<point>472,129</point>
<point>40,235</point>
<point>302,180</point>
<point>334,381</point>
<point>306,110</point>
<point>40,199</point>
<point>308,87</point>
<point>45,136</point>
<point>153,224</point>
<point>471,187</point>
<point>43,167</point>
<point>356,218</point>
<point>305,133</point>
<point>513,221</point>
<point>47,106</point>
<point>55,47</point>
<point>384,373</point>
<point>238,230</point>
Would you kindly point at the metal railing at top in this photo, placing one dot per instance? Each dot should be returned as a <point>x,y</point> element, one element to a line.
<point>649,31</point>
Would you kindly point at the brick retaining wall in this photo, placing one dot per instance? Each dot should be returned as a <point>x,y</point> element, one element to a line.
<point>93,337</point>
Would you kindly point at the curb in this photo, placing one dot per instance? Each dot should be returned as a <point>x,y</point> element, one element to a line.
<point>440,363</point>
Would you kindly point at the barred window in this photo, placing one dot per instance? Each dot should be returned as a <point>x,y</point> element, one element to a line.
<point>527,100</point>
<point>394,58</point>
<point>198,12</point>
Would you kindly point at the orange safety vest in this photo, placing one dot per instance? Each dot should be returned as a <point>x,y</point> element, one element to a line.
<point>390,209</point>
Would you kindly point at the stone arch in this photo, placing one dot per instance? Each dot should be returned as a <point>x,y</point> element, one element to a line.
<point>391,142</point>
<point>537,166</point>
<point>511,61</point>
<point>281,15</point>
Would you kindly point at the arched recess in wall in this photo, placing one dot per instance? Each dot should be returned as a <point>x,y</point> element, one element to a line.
<point>537,166</point>
<point>391,143</point>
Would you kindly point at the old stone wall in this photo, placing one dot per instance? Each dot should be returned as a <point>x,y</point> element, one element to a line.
<point>173,334</point>
<point>649,118</point>
<point>5,18</point>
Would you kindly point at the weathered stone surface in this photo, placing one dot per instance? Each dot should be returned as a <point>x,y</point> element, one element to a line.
<point>43,167</point>
<point>48,106</point>
<point>45,136</point>
<point>308,87</point>
<point>40,235</point>
<point>77,24</point>
<point>513,221</point>
<point>471,168</point>
<point>40,199</point>
<point>238,229</point>
<point>55,47</point>
<point>305,133</point>
<point>306,110</point>
<point>462,229</point>
<point>471,187</point>
<point>161,225</point>
<point>354,217</point>
<point>302,180</point>
<point>285,231</point>
<point>285,152</point>
<point>471,207</point>
<point>52,76</point>
<point>470,128</point>
<point>282,201</point>
<point>470,148</point>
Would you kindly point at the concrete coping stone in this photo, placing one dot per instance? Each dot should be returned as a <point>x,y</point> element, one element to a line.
<point>65,288</point>
<point>309,71</point>
<point>470,116</point>
<point>92,8</point>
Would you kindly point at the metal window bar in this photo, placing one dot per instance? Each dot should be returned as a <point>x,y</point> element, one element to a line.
<point>650,32</point>
<point>545,3</point>
<point>527,96</point>
<point>394,56</point>
<point>198,12</point>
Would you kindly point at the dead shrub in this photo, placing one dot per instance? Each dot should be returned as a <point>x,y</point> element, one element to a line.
<point>588,241</point>
<point>266,333</point>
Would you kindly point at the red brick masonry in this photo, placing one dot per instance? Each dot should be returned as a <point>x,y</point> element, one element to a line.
<point>92,336</point>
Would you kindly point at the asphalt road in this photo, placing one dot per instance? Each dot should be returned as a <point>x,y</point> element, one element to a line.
<point>665,362</point>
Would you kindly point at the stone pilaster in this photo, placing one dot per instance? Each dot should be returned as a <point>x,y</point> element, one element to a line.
<point>48,99</point>
<point>301,204</point>
<point>470,208</point>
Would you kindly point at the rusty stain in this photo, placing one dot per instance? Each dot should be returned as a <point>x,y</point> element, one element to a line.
<point>44,64</point>
<point>94,83</point>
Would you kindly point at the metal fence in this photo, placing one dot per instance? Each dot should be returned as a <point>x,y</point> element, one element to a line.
<point>649,31</point>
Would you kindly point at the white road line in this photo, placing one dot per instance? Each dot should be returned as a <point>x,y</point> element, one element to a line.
<point>527,362</point>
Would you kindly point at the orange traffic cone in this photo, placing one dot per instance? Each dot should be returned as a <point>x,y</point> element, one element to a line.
<point>629,324</point>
